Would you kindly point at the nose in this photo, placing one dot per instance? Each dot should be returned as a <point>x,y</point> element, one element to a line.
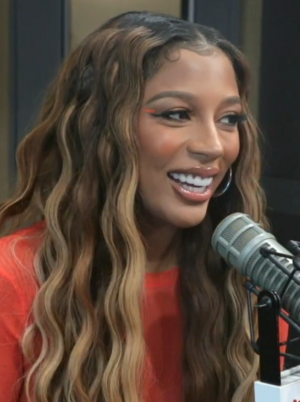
<point>205,142</point>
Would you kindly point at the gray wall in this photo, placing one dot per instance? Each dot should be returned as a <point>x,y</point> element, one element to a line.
<point>39,37</point>
<point>87,15</point>
<point>35,36</point>
<point>4,98</point>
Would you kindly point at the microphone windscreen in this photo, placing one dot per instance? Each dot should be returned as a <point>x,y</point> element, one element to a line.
<point>238,239</point>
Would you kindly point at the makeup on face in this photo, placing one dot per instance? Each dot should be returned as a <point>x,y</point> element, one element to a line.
<point>150,111</point>
<point>192,108</point>
<point>183,114</point>
<point>188,136</point>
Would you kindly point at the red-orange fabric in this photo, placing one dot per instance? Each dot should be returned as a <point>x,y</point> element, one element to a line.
<point>163,334</point>
<point>162,321</point>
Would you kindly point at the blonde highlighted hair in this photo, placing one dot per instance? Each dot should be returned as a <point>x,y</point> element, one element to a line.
<point>78,170</point>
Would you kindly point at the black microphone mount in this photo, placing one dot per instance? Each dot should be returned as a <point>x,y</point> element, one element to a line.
<point>269,310</point>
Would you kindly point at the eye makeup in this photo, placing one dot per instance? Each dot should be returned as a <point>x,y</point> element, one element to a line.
<point>233,118</point>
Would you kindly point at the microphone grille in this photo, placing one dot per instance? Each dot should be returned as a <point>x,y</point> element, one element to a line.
<point>238,240</point>
<point>233,234</point>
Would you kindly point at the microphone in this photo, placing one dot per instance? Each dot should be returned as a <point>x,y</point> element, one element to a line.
<point>244,244</point>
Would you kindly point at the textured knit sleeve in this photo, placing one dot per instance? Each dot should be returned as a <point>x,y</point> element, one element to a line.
<point>12,323</point>
<point>17,292</point>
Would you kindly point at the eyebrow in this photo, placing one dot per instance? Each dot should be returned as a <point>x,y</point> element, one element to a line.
<point>231,100</point>
<point>172,94</point>
<point>187,96</point>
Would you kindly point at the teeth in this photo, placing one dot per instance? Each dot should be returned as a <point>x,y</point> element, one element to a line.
<point>191,179</point>
<point>199,182</point>
<point>198,190</point>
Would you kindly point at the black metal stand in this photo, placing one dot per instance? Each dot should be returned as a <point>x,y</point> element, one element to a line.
<point>268,343</point>
<point>269,310</point>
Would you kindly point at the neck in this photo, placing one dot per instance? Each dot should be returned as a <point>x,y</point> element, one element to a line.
<point>162,244</point>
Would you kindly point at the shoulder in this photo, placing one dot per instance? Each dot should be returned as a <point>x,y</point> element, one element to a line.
<point>18,282</point>
<point>18,287</point>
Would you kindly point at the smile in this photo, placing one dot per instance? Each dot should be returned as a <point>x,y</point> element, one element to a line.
<point>192,187</point>
<point>192,182</point>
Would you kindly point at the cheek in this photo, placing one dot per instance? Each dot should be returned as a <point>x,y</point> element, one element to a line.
<point>157,142</point>
<point>165,146</point>
<point>232,149</point>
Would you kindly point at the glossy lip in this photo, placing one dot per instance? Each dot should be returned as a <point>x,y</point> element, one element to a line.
<point>197,171</point>
<point>191,196</point>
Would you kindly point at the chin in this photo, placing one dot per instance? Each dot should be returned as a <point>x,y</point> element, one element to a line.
<point>187,217</point>
<point>187,223</point>
<point>182,217</point>
<point>186,220</point>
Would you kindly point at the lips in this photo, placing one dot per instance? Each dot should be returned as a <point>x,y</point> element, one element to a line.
<point>193,184</point>
<point>197,171</point>
<point>194,177</point>
<point>191,180</point>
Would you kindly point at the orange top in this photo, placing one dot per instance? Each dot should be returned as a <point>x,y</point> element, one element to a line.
<point>163,325</point>
<point>163,335</point>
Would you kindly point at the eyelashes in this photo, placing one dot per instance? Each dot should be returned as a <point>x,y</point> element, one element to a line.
<point>176,115</point>
<point>183,115</point>
<point>233,119</point>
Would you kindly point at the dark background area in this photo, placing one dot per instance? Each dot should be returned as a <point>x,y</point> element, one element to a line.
<point>279,106</point>
<point>38,44</point>
<point>279,120</point>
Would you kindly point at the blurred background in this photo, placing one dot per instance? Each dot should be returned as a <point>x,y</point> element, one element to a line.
<point>36,35</point>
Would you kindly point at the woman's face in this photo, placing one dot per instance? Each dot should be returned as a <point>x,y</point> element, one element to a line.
<point>188,135</point>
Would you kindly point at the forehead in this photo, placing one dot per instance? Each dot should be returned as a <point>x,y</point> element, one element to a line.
<point>190,71</point>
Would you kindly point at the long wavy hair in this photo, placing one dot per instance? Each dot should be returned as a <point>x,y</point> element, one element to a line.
<point>78,171</point>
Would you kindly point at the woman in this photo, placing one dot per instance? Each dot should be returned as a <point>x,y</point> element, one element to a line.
<point>112,292</point>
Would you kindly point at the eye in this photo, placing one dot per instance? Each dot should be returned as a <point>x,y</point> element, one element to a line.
<point>176,115</point>
<point>232,119</point>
